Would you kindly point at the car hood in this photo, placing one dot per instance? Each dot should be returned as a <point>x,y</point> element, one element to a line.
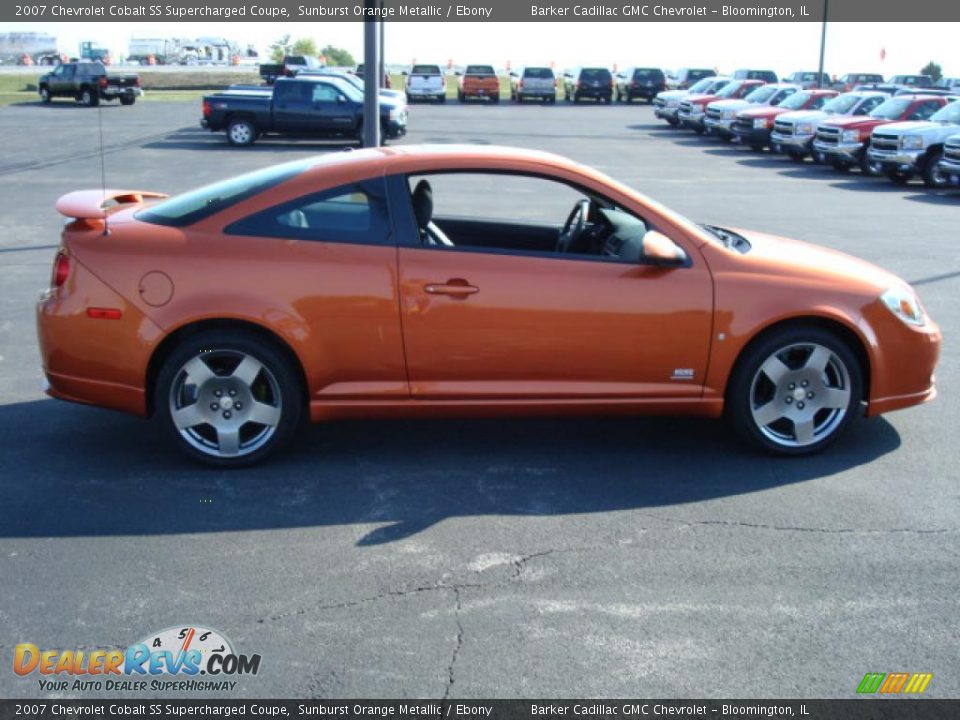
<point>805,261</point>
<point>729,104</point>
<point>701,99</point>
<point>673,94</point>
<point>898,128</point>
<point>798,116</point>
<point>761,111</point>
<point>855,121</point>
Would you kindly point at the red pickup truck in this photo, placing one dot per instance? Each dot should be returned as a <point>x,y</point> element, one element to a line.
<point>754,125</point>
<point>844,140</point>
<point>693,108</point>
<point>479,81</point>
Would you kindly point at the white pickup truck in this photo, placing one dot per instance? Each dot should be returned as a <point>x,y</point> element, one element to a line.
<point>905,149</point>
<point>426,82</point>
<point>793,132</point>
<point>950,164</point>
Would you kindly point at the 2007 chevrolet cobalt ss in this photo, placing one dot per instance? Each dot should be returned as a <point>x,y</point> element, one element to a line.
<point>430,281</point>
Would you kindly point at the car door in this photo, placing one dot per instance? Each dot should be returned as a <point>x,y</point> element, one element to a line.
<point>63,84</point>
<point>331,110</point>
<point>493,322</point>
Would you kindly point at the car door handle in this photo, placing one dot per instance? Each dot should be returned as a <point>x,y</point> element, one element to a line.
<point>456,286</point>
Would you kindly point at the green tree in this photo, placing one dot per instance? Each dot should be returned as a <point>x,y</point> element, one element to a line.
<point>304,46</point>
<point>279,48</point>
<point>933,70</point>
<point>338,56</point>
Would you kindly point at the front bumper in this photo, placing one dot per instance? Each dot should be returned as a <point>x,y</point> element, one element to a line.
<point>897,159</point>
<point>797,142</point>
<point>665,112</point>
<point>692,119</point>
<point>395,128</point>
<point>951,168</point>
<point>753,136</point>
<point>904,363</point>
<point>719,127</point>
<point>848,152</point>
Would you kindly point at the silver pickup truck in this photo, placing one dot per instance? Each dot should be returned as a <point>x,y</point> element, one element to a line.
<point>666,104</point>
<point>793,132</point>
<point>950,164</point>
<point>905,149</point>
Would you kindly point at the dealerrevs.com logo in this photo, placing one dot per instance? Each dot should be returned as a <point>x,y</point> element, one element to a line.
<point>184,658</point>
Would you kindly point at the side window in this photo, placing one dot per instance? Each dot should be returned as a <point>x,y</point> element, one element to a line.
<point>350,214</point>
<point>68,72</point>
<point>818,102</point>
<point>325,93</point>
<point>293,92</point>
<point>924,111</point>
<point>869,105</point>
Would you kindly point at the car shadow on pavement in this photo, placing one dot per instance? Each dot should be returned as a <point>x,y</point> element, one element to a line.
<point>73,471</point>
<point>199,139</point>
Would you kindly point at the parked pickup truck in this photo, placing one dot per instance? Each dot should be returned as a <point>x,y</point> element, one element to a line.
<point>666,105</point>
<point>426,82</point>
<point>308,106</point>
<point>88,83</point>
<point>915,147</point>
<point>290,67</point>
<point>722,114</point>
<point>693,108</point>
<point>479,81</point>
<point>793,132</point>
<point>849,81</point>
<point>913,81</point>
<point>843,141</point>
<point>754,125</point>
<point>806,79</point>
<point>950,164</point>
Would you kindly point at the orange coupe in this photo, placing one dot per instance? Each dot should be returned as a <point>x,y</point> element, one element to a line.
<point>432,281</point>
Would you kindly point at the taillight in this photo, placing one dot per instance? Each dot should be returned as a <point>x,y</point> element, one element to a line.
<point>206,109</point>
<point>137,83</point>
<point>103,82</point>
<point>61,269</point>
<point>520,83</point>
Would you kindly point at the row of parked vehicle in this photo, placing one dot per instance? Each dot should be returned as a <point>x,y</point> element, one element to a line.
<point>886,129</point>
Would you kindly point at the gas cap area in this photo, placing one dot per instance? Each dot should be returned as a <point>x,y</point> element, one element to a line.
<point>156,288</point>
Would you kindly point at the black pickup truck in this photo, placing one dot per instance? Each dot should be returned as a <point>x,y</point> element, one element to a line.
<point>291,66</point>
<point>305,106</point>
<point>88,83</point>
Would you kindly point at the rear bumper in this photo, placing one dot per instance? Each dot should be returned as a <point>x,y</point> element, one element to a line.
<point>425,92</point>
<point>112,92</point>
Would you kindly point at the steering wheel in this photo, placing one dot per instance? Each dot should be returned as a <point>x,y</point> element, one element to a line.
<point>574,226</point>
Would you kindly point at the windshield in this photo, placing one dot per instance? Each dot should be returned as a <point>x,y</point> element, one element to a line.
<point>796,101</point>
<point>479,70</point>
<point>729,89</point>
<point>842,104</point>
<point>892,109</point>
<point>761,94</point>
<point>197,204</point>
<point>948,114</point>
<point>701,86</point>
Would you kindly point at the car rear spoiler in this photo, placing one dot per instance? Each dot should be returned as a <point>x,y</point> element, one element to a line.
<point>92,204</point>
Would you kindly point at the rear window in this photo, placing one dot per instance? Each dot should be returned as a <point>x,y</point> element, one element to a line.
<point>595,74</point>
<point>648,74</point>
<point>539,73</point>
<point>198,204</point>
<point>698,74</point>
<point>425,70</point>
<point>479,70</point>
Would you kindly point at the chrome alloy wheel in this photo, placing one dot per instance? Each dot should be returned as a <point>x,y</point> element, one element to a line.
<point>241,133</point>
<point>800,395</point>
<point>225,403</point>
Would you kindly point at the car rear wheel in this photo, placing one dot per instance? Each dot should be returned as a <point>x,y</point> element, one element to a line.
<point>795,391</point>
<point>933,176</point>
<point>89,98</point>
<point>228,399</point>
<point>128,99</point>
<point>44,94</point>
<point>241,132</point>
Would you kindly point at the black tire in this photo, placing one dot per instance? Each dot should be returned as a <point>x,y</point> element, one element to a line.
<point>576,98</point>
<point>933,176</point>
<point>128,99</point>
<point>494,99</point>
<point>89,98</point>
<point>283,392</point>
<point>45,97</point>
<point>818,157</point>
<point>673,122</point>
<point>552,100</point>
<point>795,156</point>
<point>441,99</point>
<point>747,385</point>
<point>899,177</point>
<point>757,147</point>
<point>241,132</point>
<point>841,166</point>
<point>870,168</point>
<point>619,95</point>
<point>460,97</point>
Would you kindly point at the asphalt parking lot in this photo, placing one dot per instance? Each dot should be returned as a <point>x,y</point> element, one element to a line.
<point>596,557</point>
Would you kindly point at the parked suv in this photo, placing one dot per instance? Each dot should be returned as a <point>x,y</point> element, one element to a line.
<point>844,140</point>
<point>754,125</point>
<point>426,82</point>
<point>851,80</point>
<point>636,82</point>
<point>807,80</point>
<point>950,164</point>
<point>693,109</point>
<point>768,76</point>
<point>721,114</point>
<point>595,83</point>
<point>686,78</point>
<point>533,82</point>
<point>793,132</point>
<point>913,81</point>
<point>915,147</point>
<point>667,104</point>
<point>479,81</point>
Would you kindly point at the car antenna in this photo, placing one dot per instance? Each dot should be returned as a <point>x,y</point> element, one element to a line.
<point>103,170</point>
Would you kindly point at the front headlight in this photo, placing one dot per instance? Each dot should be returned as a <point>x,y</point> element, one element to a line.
<point>903,303</point>
<point>805,129</point>
<point>851,136</point>
<point>912,142</point>
<point>759,123</point>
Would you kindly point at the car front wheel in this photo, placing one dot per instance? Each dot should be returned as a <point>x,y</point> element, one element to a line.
<point>933,176</point>
<point>795,391</point>
<point>228,399</point>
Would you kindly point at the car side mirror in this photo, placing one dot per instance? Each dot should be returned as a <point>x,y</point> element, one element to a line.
<point>661,251</point>
<point>341,99</point>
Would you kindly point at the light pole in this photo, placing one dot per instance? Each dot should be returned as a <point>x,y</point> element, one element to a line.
<point>823,42</point>
<point>371,94</point>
